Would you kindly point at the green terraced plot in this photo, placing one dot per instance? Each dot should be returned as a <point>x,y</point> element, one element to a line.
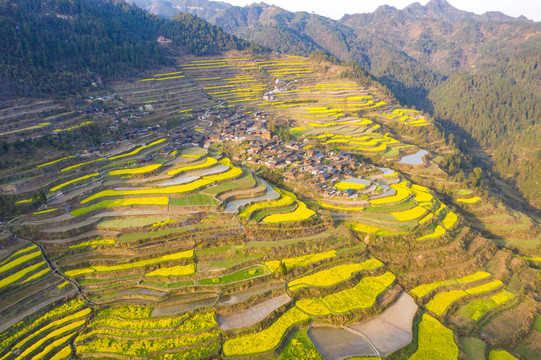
<point>476,309</point>
<point>300,347</point>
<point>240,275</point>
<point>292,263</point>
<point>193,200</point>
<point>133,222</point>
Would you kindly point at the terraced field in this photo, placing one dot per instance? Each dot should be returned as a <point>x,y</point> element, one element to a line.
<point>163,248</point>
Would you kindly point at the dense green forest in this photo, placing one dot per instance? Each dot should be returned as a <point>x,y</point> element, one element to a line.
<point>497,113</point>
<point>61,46</point>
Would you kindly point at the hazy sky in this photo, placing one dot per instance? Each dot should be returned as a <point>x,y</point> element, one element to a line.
<point>337,8</point>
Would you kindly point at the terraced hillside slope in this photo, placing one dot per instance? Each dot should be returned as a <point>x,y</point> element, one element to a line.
<point>285,207</point>
<point>460,67</point>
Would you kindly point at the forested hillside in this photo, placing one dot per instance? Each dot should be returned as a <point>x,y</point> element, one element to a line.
<point>63,46</point>
<point>202,8</point>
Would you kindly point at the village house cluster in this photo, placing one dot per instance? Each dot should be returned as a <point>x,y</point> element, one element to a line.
<point>299,161</point>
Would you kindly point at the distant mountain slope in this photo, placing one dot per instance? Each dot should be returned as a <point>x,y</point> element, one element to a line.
<point>414,51</point>
<point>302,33</point>
<point>62,45</point>
<point>442,37</point>
<point>202,8</point>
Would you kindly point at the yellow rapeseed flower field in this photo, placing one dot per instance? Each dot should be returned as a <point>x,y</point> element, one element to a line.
<point>62,354</point>
<point>179,270</point>
<point>54,345</point>
<point>36,275</point>
<point>165,190</point>
<point>485,287</point>
<point>20,274</point>
<point>15,254</point>
<point>44,211</point>
<point>133,265</point>
<point>208,162</point>
<point>500,355</point>
<point>402,193</point>
<point>300,213</point>
<point>449,220</point>
<point>472,200</point>
<point>53,324</point>
<point>410,214</point>
<point>234,172</point>
<point>344,185</point>
<point>58,311</point>
<point>476,309</point>
<point>51,335</point>
<point>55,161</point>
<point>137,150</point>
<point>137,170</point>
<point>93,243</point>
<point>441,301</point>
<point>24,201</point>
<point>422,194</point>
<point>435,341</point>
<point>439,231</point>
<point>8,265</point>
<point>286,199</point>
<point>81,164</point>
<point>162,201</point>
<point>333,275</point>
<point>58,187</point>
<point>265,340</point>
<point>298,261</point>
<point>426,218</point>
<point>473,277</point>
<point>361,296</point>
<point>424,289</point>
<point>343,208</point>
